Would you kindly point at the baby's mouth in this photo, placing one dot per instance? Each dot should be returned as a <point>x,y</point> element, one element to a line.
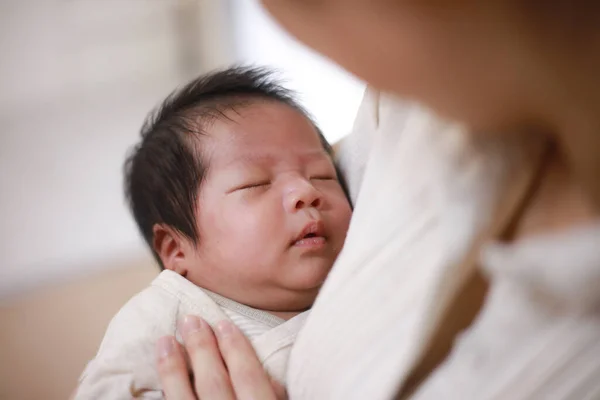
<point>313,235</point>
<point>311,242</point>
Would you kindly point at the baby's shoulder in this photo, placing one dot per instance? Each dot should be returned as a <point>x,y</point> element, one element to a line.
<point>156,309</point>
<point>149,314</point>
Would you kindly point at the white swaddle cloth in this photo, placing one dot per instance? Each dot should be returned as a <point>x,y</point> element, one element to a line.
<point>125,366</point>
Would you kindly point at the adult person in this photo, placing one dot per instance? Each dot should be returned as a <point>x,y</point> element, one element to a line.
<point>411,309</point>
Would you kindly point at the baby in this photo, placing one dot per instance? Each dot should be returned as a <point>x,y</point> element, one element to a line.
<point>234,189</point>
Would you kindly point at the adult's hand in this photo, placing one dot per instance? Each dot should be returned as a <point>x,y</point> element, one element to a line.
<point>224,365</point>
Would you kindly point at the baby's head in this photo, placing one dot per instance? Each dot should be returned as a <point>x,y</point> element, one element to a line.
<point>234,187</point>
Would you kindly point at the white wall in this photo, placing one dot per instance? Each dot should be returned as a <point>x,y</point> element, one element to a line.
<point>328,92</point>
<point>76,80</point>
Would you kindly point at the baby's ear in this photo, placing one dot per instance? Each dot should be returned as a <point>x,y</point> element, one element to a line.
<point>172,248</point>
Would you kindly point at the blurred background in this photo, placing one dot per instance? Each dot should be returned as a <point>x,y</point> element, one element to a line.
<point>77,78</point>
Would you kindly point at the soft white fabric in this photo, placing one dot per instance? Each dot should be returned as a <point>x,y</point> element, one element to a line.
<point>124,367</point>
<point>354,149</point>
<point>538,335</point>
<point>428,189</point>
<point>252,322</point>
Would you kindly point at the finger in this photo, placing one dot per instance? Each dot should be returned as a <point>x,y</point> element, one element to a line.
<point>249,379</point>
<point>211,379</point>
<point>172,370</point>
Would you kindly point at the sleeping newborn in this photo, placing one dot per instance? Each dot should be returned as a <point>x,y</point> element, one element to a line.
<point>234,189</point>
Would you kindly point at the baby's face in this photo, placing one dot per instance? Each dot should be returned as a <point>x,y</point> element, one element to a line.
<point>271,215</point>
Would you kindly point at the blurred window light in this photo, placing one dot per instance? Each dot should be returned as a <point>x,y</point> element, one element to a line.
<point>329,93</point>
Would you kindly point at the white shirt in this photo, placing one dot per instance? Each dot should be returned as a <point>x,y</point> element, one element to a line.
<point>426,192</point>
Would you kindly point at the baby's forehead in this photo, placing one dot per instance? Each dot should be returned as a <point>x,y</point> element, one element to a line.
<point>245,114</point>
<point>265,124</point>
<point>233,109</point>
<point>272,158</point>
<point>259,133</point>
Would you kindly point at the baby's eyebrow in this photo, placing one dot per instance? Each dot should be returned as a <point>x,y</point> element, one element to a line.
<point>248,160</point>
<point>270,158</point>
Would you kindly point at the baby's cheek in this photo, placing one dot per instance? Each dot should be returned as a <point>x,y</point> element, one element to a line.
<point>235,241</point>
<point>341,223</point>
<point>250,225</point>
<point>342,211</point>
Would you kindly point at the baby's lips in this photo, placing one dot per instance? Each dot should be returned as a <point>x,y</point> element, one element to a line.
<point>313,228</point>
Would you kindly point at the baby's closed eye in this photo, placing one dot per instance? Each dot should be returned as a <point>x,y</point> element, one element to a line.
<point>253,185</point>
<point>323,178</point>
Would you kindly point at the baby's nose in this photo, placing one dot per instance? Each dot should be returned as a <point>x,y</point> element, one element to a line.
<point>303,196</point>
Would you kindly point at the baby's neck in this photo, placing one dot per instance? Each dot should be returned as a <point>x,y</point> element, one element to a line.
<point>285,315</point>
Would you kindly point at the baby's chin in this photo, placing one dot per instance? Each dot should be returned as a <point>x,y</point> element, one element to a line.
<point>308,275</point>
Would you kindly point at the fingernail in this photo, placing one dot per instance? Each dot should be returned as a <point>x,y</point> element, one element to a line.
<point>224,328</point>
<point>165,347</point>
<point>191,324</point>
